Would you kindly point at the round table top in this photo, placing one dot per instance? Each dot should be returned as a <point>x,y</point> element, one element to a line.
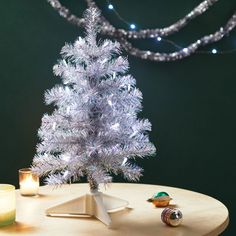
<point>202,215</point>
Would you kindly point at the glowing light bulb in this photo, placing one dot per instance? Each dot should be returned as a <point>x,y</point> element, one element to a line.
<point>65,173</point>
<point>159,39</point>
<point>185,50</point>
<point>54,125</point>
<point>109,102</point>
<point>110,6</point>
<point>64,62</point>
<point>115,126</point>
<point>214,51</point>
<point>65,158</point>
<point>129,87</point>
<point>132,26</point>
<point>124,161</point>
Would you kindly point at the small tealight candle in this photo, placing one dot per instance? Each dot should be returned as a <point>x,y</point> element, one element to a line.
<point>7,204</point>
<point>29,182</point>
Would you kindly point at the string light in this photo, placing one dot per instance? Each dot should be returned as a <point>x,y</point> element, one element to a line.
<point>110,6</point>
<point>185,50</point>
<point>132,26</point>
<point>214,51</point>
<point>123,35</point>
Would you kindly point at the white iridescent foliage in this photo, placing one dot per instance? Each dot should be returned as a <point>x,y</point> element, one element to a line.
<point>94,130</point>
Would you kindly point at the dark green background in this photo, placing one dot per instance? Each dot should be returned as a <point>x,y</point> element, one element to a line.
<point>191,103</point>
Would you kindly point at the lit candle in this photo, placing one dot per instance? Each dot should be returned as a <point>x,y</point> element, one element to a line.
<point>7,204</point>
<point>29,182</point>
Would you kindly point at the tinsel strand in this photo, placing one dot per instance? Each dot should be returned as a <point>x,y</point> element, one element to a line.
<point>122,35</point>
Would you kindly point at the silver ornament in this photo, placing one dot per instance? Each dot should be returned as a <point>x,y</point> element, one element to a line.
<point>172,216</point>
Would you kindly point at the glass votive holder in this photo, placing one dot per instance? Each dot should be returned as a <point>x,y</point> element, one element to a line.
<point>29,182</point>
<point>7,204</point>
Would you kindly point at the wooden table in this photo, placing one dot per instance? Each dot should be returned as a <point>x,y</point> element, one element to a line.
<point>203,215</point>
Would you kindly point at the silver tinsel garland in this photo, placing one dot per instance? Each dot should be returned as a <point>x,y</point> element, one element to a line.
<point>94,130</point>
<point>123,35</point>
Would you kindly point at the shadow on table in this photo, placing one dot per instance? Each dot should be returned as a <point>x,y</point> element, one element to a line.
<point>146,228</point>
<point>20,228</point>
<point>43,196</point>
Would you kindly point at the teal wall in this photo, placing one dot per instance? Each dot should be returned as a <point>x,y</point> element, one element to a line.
<point>191,103</point>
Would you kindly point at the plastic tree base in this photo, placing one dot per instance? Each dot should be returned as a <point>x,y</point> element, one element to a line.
<point>94,204</point>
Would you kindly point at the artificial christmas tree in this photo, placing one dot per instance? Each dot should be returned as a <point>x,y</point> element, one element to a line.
<point>94,130</point>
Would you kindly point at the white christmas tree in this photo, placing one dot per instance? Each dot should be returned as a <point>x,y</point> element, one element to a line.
<point>94,130</point>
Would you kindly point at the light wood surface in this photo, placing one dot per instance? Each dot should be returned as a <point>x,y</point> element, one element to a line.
<point>203,215</point>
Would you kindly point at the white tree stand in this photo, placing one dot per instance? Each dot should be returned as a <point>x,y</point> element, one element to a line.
<point>94,204</point>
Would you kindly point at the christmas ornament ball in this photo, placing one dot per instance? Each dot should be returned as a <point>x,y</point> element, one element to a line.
<point>172,216</point>
<point>160,199</point>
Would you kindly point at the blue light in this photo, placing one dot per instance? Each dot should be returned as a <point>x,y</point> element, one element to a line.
<point>132,26</point>
<point>159,39</point>
<point>110,6</point>
<point>214,51</point>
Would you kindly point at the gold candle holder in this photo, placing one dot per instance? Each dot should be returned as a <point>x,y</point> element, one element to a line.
<point>7,204</point>
<point>29,182</point>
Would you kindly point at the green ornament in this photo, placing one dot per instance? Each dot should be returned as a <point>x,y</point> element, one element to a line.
<point>160,199</point>
<point>160,194</point>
